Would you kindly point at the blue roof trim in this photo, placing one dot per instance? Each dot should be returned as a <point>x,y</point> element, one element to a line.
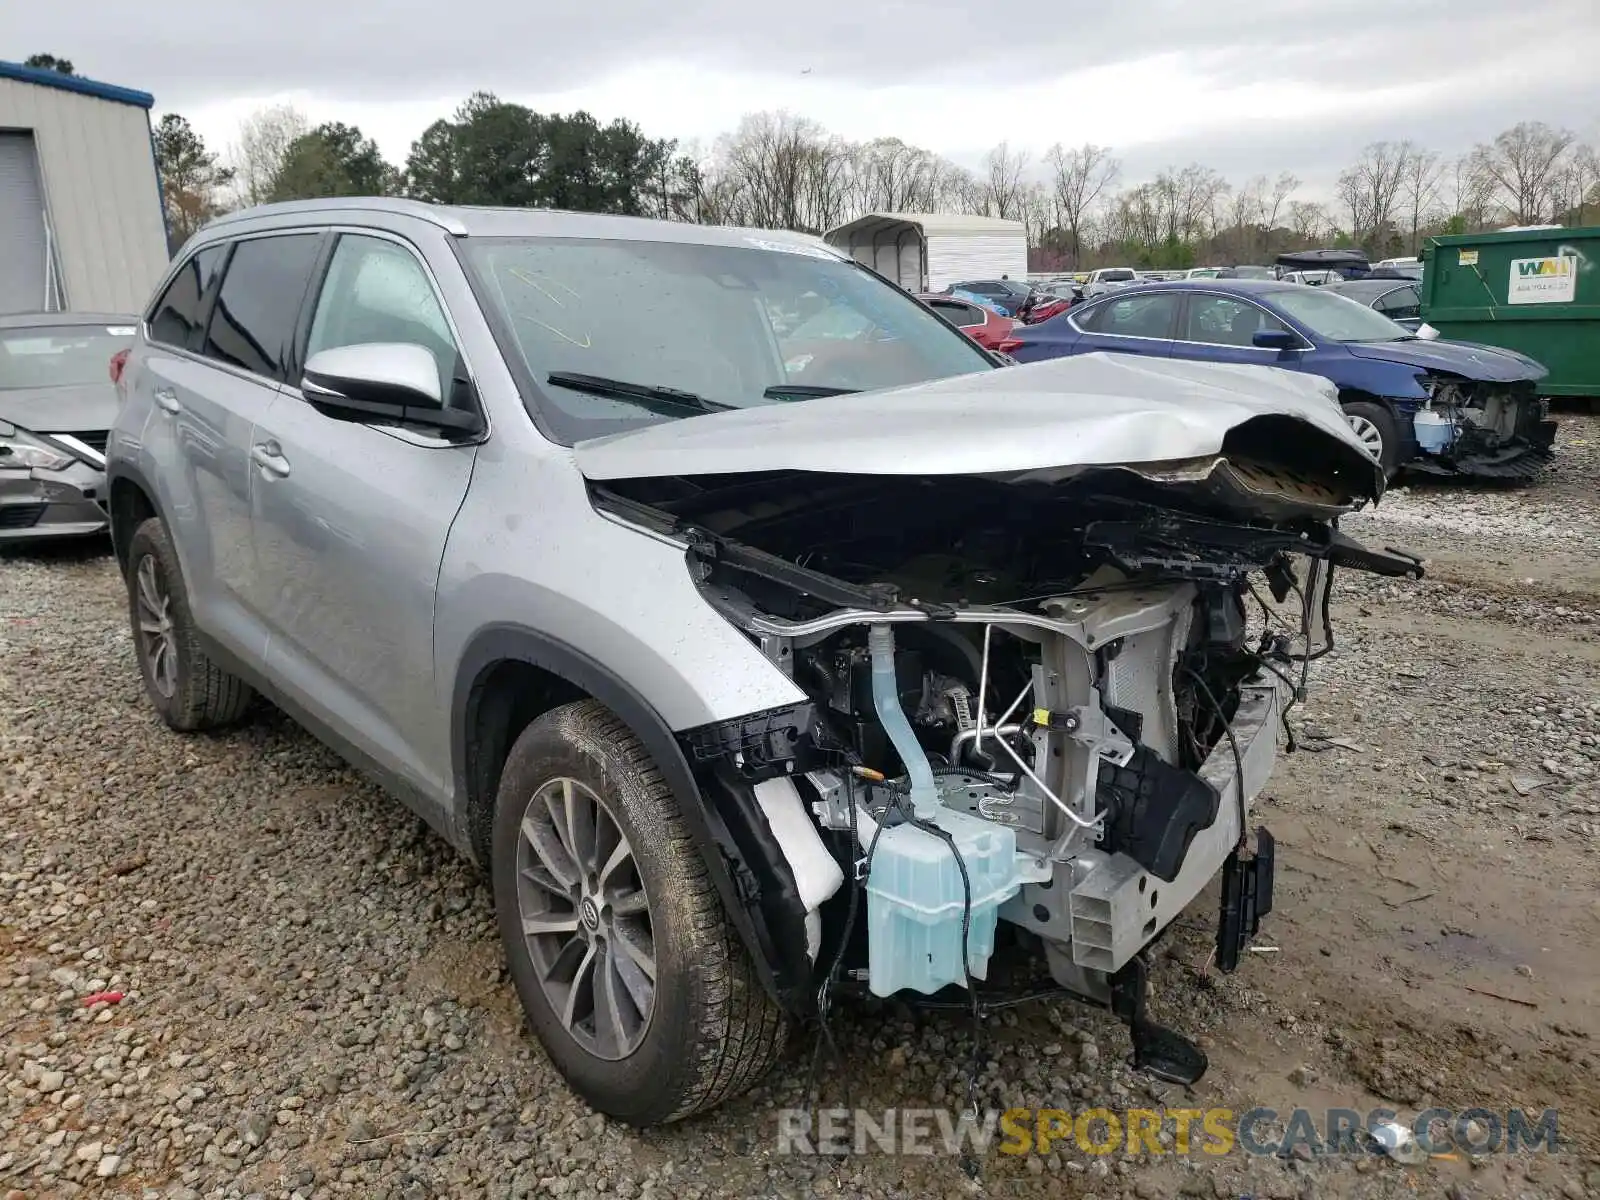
<point>75,83</point>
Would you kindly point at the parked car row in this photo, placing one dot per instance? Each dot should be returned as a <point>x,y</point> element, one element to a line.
<point>1428,405</point>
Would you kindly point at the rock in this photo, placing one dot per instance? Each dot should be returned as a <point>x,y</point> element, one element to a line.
<point>1301,1076</point>
<point>360,1129</point>
<point>253,1129</point>
<point>109,1166</point>
<point>51,1082</point>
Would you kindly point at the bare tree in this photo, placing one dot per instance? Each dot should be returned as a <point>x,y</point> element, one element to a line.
<point>1370,189</point>
<point>257,157</point>
<point>1081,178</point>
<point>1284,186</point>
<point>1420,179</point>
<point>1308,222</point>
<point>1585,174</point>
<point>1525,165</point>
<point>1246,214</point>
<point>780,171</point>
<point>1467,192</point>
<point>1037,212</point>
<point>1187,201</point>
<point>1004,189</point>
<point>1140,215</point>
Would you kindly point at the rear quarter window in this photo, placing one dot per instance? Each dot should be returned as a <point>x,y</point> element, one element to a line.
<point>176,317</point>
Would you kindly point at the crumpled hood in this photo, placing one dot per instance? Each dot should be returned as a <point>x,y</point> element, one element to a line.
<point>1085,410</point>
<point>83,408</point>
<point>1487,364</point>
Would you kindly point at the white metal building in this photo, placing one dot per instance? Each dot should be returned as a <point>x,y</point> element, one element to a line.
<point>82,225</point>
<point>927,252</point>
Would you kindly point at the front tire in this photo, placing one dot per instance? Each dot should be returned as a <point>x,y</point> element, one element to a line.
<point>186,688</point>
<point>625,962</point>
<point>1375,426</point>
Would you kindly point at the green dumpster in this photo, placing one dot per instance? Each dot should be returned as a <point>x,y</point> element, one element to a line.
<point>1532,290</point>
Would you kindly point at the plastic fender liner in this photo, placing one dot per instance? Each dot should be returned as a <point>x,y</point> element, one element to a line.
<point>729,759</point>
<point>735,881</point>
<point>764,881</point>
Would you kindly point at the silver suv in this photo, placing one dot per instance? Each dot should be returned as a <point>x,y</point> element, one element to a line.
<point>758,637</point>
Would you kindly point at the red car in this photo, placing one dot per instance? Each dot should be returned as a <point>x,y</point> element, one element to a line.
<point>1047,308</point>
<point>989,329</point>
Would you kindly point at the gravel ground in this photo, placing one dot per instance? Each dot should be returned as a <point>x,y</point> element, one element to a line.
<point>313,1003</point>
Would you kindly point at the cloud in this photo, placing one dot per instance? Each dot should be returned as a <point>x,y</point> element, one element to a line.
<point>1284,85</point>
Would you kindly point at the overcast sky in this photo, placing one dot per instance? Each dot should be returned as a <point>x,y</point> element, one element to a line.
<point>1249,88</point>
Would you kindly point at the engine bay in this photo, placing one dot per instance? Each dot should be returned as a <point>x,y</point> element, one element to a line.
<point>1040,701</point>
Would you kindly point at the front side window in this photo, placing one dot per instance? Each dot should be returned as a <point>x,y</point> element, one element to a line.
<point>253,323</point>
<point>47,356</point>
<point>1147,315</point>
<point>733,325</point>
<point>377,291</point>
<point>1224,321</point>
<point>175,320</point>
<point>1338,318</point>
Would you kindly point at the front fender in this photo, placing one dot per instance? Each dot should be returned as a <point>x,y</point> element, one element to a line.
<point>1393,381</point>
<point>723,850</point>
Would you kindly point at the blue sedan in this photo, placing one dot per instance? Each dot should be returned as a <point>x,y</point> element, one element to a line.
<point>1447,408</point>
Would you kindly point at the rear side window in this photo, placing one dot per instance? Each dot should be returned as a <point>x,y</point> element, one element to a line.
<point>1402,304</point>
<point>1147,315</point>
<point>175,321</point>
<point>253,324</point>
<point>963,316</point>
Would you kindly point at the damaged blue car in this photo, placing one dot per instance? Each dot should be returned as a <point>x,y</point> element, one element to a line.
<point>1437,407</point>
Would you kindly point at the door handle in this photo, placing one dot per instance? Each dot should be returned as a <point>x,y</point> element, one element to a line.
<point>269,457</point>
<point>166,400</point>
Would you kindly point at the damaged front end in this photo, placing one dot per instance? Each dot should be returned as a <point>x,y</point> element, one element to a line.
<point>1482,429</point>
<point>1035,697</point>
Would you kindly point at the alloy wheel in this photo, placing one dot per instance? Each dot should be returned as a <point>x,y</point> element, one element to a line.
<point>1371,436</point>
<point>157,642</point>
<point>586,918</point>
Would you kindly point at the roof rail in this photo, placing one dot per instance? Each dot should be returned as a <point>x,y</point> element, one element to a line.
<point>399,205</point>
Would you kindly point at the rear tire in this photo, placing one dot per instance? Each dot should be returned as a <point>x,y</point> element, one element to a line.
<point>703,1029</point>
<point>1375,426</point>
<point>186,688</point>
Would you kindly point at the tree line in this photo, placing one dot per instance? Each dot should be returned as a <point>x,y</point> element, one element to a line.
<point>779,170</point>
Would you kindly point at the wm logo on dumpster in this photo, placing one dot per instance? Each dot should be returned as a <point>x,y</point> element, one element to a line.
<point>1530,267</point>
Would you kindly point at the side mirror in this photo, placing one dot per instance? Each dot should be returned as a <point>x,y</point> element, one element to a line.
<point>393,382</point>
<point>1274,339</point>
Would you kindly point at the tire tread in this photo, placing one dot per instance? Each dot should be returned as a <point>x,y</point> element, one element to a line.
<point>208,697</point>
<point>742,1032</point>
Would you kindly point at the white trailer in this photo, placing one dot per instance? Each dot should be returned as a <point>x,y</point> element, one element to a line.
<point>82,226</point>
<point>927,252</point>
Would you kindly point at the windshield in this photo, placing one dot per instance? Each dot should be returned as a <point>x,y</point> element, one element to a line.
<point>1338,318</point>
<point>735,326</point>
<point>47,356</point>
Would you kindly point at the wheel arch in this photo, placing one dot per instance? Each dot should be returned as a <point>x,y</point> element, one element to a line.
<point>131,500</point>
<point>509,675</point>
